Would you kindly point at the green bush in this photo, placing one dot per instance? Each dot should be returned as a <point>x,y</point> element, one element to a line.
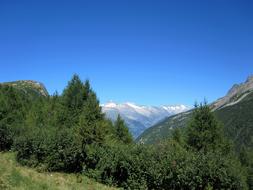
<point>13,107</point>
<point>164,166</point>
<point>6,139</point>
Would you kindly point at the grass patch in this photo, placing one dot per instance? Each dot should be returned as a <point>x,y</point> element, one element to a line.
<point>16,177</point>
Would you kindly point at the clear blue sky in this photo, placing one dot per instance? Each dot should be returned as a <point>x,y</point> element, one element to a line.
<point>148,52</point>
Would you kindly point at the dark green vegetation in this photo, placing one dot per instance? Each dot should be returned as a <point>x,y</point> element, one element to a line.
<point>238,122</point>
<point>238,127</point>
<point>163,130</point>
<point>68,133</point>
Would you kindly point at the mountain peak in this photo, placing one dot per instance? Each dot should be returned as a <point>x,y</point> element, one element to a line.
<point>109,104</point>
<point>241,88</point>
<point>235,94</point>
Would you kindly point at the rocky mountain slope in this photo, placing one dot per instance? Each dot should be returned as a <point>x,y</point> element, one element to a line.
<point>235,94</point>
<point>235,111</point>
<point>29,86</point>
<point>139,118</point>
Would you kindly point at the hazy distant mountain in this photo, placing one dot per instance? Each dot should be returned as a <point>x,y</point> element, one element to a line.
<point>235,111</point>
<point>139,118</point>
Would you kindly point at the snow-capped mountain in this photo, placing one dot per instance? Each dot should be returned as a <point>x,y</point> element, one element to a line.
<point>139,118</point>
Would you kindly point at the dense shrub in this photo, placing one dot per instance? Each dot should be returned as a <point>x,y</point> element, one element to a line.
<point>13,108</point>
<point>6,140</point>
<point>164,166</point>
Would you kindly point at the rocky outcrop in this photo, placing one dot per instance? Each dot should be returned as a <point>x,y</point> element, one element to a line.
<point>235,94</point>
<point>29,85</point>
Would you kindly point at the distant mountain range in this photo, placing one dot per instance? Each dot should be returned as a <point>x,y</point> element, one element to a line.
<point>139,118</point>
<point>235,111</point>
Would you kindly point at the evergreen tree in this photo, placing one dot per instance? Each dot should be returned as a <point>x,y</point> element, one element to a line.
<point>37,114</point>
<point>91,122</point>
<point>73,99</point>
<point>122,132</point>
<point>91,110</point>
<point>87,89</point>
<point>204,132</point>
<point>177,136</point>
<point>54,108</point>
<point>74,94</point>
